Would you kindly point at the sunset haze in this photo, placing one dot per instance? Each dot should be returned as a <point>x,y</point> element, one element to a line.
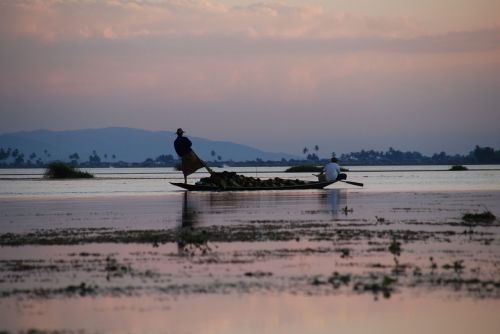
<point>276,75</point>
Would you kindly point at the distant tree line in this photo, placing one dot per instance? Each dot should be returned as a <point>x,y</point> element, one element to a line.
<point>480,155</point>
<point>13,158</point>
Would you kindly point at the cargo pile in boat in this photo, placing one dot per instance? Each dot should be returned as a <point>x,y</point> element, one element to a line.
<point>231,179</point>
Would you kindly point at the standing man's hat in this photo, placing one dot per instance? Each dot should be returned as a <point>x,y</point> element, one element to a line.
<point>179,131</point>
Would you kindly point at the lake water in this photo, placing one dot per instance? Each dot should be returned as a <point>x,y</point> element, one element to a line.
<point>282,261</point>
<point>143,198</point>
<point>149,181</point>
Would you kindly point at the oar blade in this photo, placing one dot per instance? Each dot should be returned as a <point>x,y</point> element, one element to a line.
<point>353,183</point>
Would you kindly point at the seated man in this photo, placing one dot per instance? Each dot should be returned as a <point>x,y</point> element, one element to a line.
<point>331,172</point>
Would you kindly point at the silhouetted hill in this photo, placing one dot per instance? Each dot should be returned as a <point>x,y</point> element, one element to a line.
<point>130,145</point>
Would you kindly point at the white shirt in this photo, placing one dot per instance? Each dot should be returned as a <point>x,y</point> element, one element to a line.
<point>332,171</point>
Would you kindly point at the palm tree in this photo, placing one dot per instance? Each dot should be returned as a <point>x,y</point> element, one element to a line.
<point>94,157</point>
<point>74,156</point>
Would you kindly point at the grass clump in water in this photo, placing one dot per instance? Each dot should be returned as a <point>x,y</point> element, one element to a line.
<point>61,170</point>
<point>485,217</point>
<point>395,247</point>
<point>458,168</point>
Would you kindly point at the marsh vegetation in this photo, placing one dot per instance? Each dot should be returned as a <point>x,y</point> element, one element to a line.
<point>61,170</point>
<point>456,168</point>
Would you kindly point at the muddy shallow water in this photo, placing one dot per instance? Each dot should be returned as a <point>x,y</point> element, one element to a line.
<point>345,259</point>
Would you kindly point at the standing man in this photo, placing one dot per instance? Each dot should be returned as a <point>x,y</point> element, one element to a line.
<point>190,161</point>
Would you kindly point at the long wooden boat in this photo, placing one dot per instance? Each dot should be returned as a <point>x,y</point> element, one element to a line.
<point>199,187</point>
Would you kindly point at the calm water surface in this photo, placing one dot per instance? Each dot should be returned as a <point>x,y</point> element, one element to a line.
<point>412,198</point>
<point>148,181</point>
<point>145,199</point>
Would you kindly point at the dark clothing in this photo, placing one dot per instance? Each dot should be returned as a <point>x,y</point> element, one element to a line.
<point>182,145</point>
<point>342,176</point>
<point>191,163</point>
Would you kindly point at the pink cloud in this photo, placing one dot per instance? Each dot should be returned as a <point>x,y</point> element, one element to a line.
<point>50,20</point>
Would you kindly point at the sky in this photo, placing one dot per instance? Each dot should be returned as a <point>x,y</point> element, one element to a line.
<point>344,75</point>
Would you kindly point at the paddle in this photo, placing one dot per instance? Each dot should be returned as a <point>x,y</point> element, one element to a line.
<point>349,182</point>
<point>353,183</point>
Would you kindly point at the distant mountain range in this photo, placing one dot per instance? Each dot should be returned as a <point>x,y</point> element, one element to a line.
<point>125,144</point>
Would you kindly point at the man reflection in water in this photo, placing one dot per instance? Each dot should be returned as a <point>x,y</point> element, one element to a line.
<point>337,199</point>
<point>189,219</point>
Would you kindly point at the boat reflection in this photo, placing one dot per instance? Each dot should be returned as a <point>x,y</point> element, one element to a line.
<point>238,208</point>
<point>226,208</point>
